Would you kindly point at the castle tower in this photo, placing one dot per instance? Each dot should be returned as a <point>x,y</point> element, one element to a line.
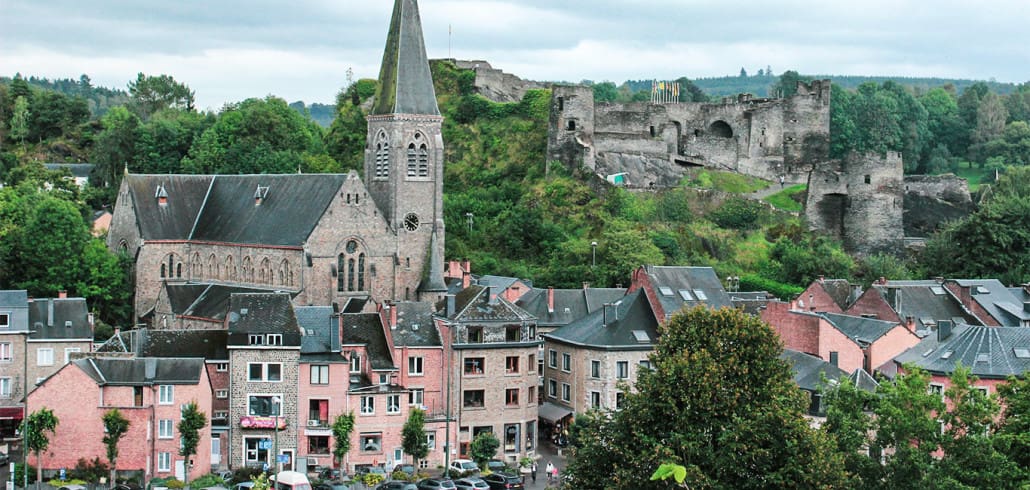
<point>404,155</point>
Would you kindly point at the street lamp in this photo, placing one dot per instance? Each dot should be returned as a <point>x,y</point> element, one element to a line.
<point>277,401</point>
<point>468,217</point>
<point>593,254</point>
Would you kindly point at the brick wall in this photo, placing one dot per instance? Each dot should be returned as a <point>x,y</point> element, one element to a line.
<point>798,332</point>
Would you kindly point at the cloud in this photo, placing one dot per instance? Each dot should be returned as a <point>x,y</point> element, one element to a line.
<point>229,50</point>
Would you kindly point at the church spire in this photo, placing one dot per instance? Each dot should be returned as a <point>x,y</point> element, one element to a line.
<point>405,82</point>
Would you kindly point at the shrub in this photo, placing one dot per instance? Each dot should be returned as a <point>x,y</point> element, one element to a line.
<point>738,213</point>
<point>175,483</point>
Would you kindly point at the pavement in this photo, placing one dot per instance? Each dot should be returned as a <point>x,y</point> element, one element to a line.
<point>547,452</point>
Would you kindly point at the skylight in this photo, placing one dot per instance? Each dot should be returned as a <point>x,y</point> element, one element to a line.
<point>983,290</point>
<point>686,295</point>
<point>938,290</point>
<point>700,294</point>
<point>665,291</point>
<point>947,354</point>
<point>1021,353</point>
<point>984,358</point>
<point>641,336</point>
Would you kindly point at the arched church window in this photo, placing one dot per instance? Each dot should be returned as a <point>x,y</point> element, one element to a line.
<point>412,160</point>
<point>423,161</point>
<point>247,270</point>
<point>164,273</point>
<point>230,269</point>
<point>341,278</point>
<point>285,274</point>
<point>178,269</point>
<point>382,163</point>
<point>212,267</point>
<point>361,272</point>
<point>266,271</point>
<point>197,268</point>
<point>351,267</point>
<point>350,274</point>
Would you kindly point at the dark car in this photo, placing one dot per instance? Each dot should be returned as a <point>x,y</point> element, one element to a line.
<point>503,481</point>
<point>471,483</point>
<point>405,468</point>
<point>397,485</point>
<point>496,465</point>
<point>330,486</point>
<point>435,483</point>
<point>330,474</point>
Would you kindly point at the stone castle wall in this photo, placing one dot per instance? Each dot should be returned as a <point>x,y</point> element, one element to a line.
<point>497,85</point>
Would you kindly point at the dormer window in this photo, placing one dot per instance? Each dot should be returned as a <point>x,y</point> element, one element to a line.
<point>260,194</point>
<point>161,195</point>
<point>256,339</point>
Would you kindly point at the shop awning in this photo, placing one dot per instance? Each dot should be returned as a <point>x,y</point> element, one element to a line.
<point>553,413</point>
<point>11,413</point>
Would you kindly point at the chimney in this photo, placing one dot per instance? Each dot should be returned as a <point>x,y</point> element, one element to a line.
<point>550,300</point>
<point>821,279</point>
<point>117,331</point>
<point>450,305</point>
<point>466,265</point>
<point>393,317</point>
<point>1026,306</point>
<point>491,295</point>
<point>882,280</point>
<point>939,280</point>
<point>910,323</point>
<point>466,279</point>
<point>586,285</point>
<point>161,194</point>
<point>49,312</point>
<point>943,330</point>
<point>856,292</point>
<point>62,294</point>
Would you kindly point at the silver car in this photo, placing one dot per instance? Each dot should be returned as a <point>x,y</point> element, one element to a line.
<point>471,484</point>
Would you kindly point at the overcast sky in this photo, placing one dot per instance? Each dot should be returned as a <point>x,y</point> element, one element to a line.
<point>229,50</point>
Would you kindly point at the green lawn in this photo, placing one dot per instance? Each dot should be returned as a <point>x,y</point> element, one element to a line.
<point>972,174</point>
<point>727,182</point>
<point>783,199</point>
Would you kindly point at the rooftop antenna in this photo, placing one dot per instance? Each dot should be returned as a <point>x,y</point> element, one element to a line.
<point>449,32</point>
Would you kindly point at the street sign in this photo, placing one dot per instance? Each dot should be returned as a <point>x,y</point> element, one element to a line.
<point>265,444</point>
<point>64,475</point>
<point>284,458</point>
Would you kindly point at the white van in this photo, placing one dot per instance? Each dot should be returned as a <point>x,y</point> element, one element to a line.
<point>292,480</point>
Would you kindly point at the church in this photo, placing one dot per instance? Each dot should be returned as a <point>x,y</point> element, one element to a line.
<point>327,239</point>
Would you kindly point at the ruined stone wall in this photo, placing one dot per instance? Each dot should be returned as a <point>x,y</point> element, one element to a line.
<point>859,201</point>
<point>933,200</point>
<point>655,143</point>
<point>497,85</point>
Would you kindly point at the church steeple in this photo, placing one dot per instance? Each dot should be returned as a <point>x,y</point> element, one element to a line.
<point>405,82</point>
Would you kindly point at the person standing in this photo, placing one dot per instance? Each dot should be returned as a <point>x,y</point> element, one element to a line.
<point>548,470</point>
<point>554,474</point>
<point>533,471</point>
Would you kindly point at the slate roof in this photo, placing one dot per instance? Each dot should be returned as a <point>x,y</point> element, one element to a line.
<point>998,300</point>
<point>569,304</point>
<point>14,297</point>
<point>616,327</point>
<point>320,328</point>
<point>145,342</point>
<point>919,300</point>
<point>838,289</point>
<point>222,208</point>
<point>262,313</point>
<point>405,81</point>
<point>690,279</point>
<point>432,272</point>
<point>142,371</point>
<point>863,331</point>
<point>367,329</point>
<point>415,325</point>
<point>809,370</point>
<point>990,352</point>
<point>474,304</point>
<point>751,302</point>
<point>201,300</point>
<point>56,318</point>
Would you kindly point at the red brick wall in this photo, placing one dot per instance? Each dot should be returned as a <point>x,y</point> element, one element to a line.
<point>798,332</point>
<point>815,298</point>
<point>963,295</point>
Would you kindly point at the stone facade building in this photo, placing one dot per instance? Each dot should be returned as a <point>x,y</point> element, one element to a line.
<point>493,370</point>
<point>327,239</point>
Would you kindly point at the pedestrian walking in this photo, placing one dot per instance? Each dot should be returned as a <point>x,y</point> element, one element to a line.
<point>554,474</point>
<point>781,182</point>
<point>549,470</point>
<point>533,471</point>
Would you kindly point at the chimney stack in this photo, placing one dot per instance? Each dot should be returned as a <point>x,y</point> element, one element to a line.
<point>1026,306</point>
<point>550,300</point>
<point>62,294</point>
<point>910,323</point>
<point>393,316</point>
<point>466,279</point>
<point>821,279</point>
<point>943,330</point>
<point>586,285</point>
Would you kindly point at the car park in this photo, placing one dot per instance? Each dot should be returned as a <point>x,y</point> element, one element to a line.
<point>473,483</point>
<point>504,481</point>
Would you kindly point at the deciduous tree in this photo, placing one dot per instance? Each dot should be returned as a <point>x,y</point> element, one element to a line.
<point>115,427</point>
<point>36,427</point>
<point>414,436</point>
<point>193,420</point>
<point>342,428</point>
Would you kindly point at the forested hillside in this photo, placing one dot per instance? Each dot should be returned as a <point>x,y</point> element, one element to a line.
<point>504,211</point>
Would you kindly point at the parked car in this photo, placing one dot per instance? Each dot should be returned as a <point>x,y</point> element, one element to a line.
<point>247,485</point>
<point>473,483</point>
<point>331,486</point>
<point>72,487</point>
<point>330,474</point>
<point>436,484</point>
<point>464,466</point>
<point>361,470</point>
<point>504,481</point>
<point>4,458</point>
<point>496,465</point>
<point>397,485</point>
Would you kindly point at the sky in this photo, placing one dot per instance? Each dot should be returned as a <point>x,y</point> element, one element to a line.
<point>230,50</point>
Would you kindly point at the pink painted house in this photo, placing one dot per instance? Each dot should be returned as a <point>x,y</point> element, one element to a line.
<point>847,342</point>
<point>149,392</point>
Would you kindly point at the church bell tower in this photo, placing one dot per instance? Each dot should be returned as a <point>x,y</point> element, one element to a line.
<point>404,156</point>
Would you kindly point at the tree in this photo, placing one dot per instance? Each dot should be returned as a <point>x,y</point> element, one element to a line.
<point>605,92</point>
<point>717,401</point>
<point>342,428</point>
<point>743,72</point>
<point>990,123</point>
<point>46,252</point>
<point>115,146</point>
<point>35,428</point>
<point>1012,435</point>
<point>849,423</point>
<point>907,427</point>
<point>787,85</point>
<point>115,426</point>
<point>193,420</point>
<point>414,436</point>
<point>483,447</point>
<point>20,120</point>
<point>151,94</point>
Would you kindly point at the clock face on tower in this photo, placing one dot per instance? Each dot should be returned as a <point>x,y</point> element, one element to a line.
<point>411,222</point>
